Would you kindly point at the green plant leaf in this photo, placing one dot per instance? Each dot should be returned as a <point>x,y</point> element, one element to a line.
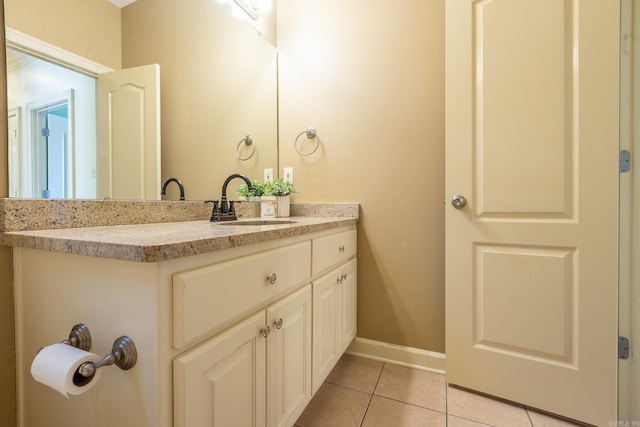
<point>279,187</point>
<point>258,189</point>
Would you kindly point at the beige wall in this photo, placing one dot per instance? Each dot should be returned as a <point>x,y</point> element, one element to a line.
<point>7,349</point>
<point>97,21</point>
<point>370,78</point>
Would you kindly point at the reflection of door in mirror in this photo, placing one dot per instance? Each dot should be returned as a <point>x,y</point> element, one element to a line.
<point>58,150</point>
<point>40,92</point>
<point>52,146</point>
<point>129,133</point>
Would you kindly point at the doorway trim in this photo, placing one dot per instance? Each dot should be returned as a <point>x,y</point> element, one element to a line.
<point>629,231</point>
<point>37,47</point>
<point>15,144</point>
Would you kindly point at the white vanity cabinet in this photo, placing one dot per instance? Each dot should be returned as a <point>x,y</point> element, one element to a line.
<point>199,324</point>
<point>223,381</point>
<point>334,301</point>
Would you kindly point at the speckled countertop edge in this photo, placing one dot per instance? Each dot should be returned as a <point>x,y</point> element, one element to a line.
<point>164,241</point>
<point>150,231</point>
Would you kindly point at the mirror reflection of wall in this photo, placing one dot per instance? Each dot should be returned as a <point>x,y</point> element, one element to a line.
<point>218,78</point>
<point>218,84</point>
<point>52,129</point>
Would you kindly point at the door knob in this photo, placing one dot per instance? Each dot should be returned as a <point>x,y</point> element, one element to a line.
<point>459,202</point>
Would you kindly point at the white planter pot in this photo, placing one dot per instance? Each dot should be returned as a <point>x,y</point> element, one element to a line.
<point>284,203</point>
<point>275,206</point>
<point>268,206</point>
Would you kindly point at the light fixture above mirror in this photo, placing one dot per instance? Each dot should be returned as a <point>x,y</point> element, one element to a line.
<point>250,8</point>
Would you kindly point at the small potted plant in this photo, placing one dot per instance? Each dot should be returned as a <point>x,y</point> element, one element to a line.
<point>250,196</point>
<point>276,199</point>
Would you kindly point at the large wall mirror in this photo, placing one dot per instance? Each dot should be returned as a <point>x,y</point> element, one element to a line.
<point>217,74</point>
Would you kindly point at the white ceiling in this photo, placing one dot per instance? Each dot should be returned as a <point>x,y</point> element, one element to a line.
<point>121,3</point>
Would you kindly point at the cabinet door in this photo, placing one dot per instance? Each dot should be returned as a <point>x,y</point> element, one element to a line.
<point>347,292</point>
<point>334,318</point>
<point>325,326</point>
<point>289,358</point>
<point>222,382</point>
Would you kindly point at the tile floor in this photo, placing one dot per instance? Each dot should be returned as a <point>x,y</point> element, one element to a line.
<point>366,393</point>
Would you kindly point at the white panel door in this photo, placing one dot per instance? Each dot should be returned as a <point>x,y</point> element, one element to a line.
<point>531,259</point>
<point>129,133</point>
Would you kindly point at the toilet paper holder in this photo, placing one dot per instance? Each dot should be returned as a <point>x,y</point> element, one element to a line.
<point>123,353</point>
<point>79,337</point>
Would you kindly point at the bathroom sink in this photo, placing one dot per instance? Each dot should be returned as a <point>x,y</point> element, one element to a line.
<point>260,222</point>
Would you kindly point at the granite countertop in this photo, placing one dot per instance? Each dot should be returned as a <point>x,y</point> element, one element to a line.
<point>163,241</point>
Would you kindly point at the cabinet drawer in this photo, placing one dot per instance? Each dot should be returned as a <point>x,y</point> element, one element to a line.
<point>207,298</point>
<point>332,250</point>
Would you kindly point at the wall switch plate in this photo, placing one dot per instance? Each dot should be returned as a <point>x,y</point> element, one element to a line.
<point>288,174</point>
<point>268,175</point>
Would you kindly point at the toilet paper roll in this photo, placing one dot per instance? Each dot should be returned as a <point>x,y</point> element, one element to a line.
<point>56,366</point>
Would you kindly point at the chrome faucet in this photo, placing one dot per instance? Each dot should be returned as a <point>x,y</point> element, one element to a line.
<point>177,181</point>
<point>225,211</point>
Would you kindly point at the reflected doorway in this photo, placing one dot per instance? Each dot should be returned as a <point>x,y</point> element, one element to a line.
<point>52,128</point>
<point>53,149</point>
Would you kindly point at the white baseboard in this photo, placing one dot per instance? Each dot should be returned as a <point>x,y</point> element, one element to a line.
<point>398,355</point>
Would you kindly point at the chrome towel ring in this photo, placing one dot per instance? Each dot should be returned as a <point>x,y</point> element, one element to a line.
<point>311,133</point>
<point>248,141</point>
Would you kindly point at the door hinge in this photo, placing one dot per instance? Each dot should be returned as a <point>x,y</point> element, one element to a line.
<point>45,132</point>
<point>623,348</point>
<point>624,161</point>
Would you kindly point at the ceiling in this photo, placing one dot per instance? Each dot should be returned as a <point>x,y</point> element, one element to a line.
<point>121,3</point>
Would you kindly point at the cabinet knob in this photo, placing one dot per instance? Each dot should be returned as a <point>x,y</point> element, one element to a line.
<point>272,278</point>
<point>278,323</point>
<point>266,331</point>
<point>341,248</point>
<point>341,278</point>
